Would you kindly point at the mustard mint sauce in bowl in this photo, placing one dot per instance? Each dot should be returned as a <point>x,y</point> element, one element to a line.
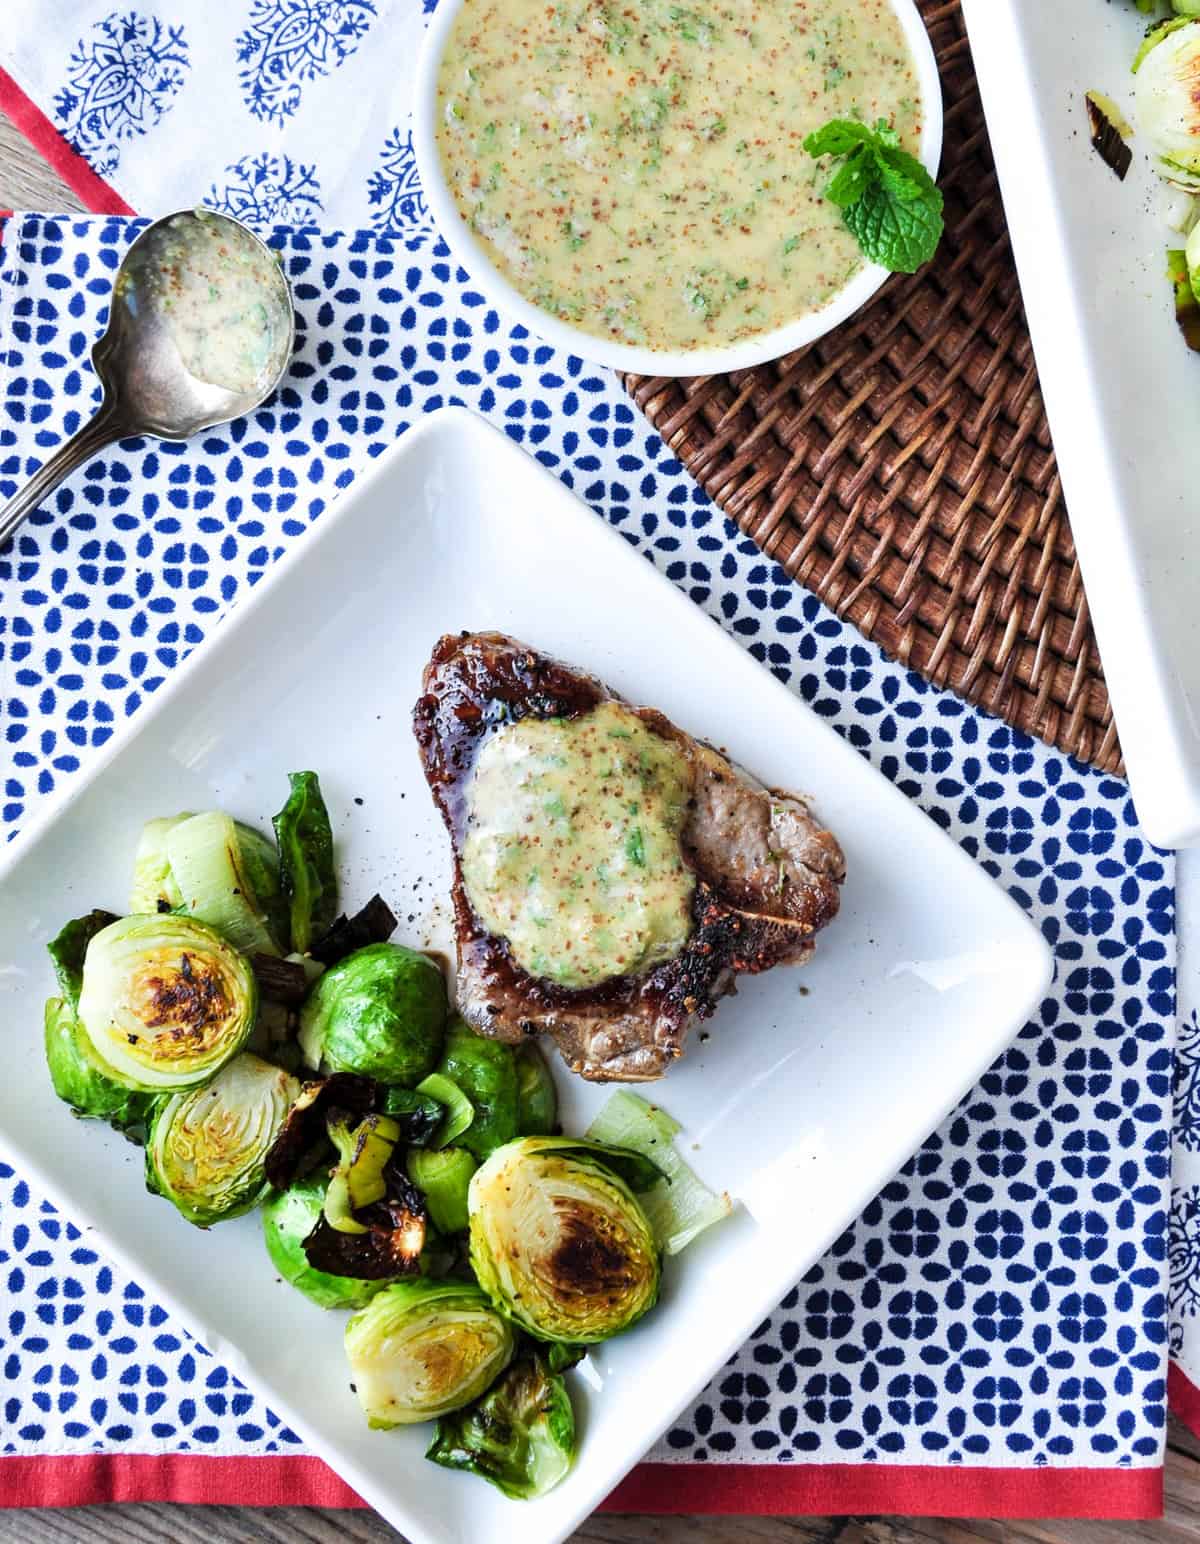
<point>630,180</point>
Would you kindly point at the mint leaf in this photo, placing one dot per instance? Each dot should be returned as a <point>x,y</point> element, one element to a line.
<point>896,233</point>
<point>849,182</point>
<point>888,200</point>
<point>838,137</point>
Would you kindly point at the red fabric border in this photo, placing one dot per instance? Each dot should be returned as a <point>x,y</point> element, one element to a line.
<point>761,1489</point>
<point>766,1489</point>
<point>48,142</point>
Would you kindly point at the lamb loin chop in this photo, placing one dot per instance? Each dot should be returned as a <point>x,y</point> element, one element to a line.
<point>612,875</point>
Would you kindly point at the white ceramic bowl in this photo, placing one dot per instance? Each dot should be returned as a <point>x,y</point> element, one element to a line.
<point>622,356</point>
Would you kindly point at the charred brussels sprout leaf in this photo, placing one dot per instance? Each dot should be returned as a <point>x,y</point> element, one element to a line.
<point>288,1219</point>
<point>165,1001</point>
<point>207,1148</point>
<point>520,1436</point>
<point>68,948</point>
<point>80,1080</point>
<point>419,1115</point>
<point>306,860</point>
<point>373,924</point>
<point>559,1241</point>
<point>381,1012</point>
<point>421,1349</point>
<point>537,1102</point>
<point>486,1072</point>
<point>443,1178</point>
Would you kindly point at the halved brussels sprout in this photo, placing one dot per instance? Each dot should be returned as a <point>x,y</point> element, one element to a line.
<point>423,1348</point>
<point>228,876</point>
<point>1165,104</point>
<point>381,1011</point>
<point>165,1002</point>
<point>288,1218</point>
<point>207,1148</point>
<point>154,887</point>
<point>559,1241</point>
<point>520,1436</point>
<point>487,1074</point>
<point>79,1078</point>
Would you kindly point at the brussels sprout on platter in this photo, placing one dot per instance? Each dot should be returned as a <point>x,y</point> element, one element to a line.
<point>1164,99</point>
<point>537,1102</point>
<point>207,1147</point>
<point>422,1348</point>
<point>154,887</point>
<point>520,1436</point>
<point>228,876</point>
<point>559,1241</point>
<point>68,950</point>
<point>289,1217</point>
<point>308,878</point>
<point>443,1177</point>
<point>165,1001</point>
<point>381,1011</point>
<point>79,1078</point>
<point>486,1073</point>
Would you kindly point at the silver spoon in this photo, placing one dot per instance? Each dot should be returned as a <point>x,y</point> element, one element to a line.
<point>200,330</point>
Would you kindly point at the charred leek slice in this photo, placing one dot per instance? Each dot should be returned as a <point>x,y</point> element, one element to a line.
<point>216,882</point>
<point>680,1206</point>
<point>459,1111</point>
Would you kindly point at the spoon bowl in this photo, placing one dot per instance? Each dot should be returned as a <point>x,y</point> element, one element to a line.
<point>201,329</point>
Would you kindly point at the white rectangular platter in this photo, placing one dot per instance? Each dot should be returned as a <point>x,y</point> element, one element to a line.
<point>800,1105</point>
<point>1121,389</point>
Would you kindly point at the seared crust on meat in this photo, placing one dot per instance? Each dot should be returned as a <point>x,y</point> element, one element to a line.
<point>767,872</point>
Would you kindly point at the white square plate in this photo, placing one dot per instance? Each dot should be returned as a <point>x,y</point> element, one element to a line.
<point>1122,390</point>
<point>801,1106</point>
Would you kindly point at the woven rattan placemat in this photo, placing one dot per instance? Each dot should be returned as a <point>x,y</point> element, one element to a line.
<point>901,468</point>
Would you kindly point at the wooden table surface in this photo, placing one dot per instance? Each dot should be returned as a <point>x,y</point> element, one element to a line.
<point>26,182</point>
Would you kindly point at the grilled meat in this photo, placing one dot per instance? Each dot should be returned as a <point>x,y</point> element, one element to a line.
<point>766,872</point>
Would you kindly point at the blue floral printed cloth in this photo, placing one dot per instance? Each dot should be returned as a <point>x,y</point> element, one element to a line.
<point>1004,1300</point>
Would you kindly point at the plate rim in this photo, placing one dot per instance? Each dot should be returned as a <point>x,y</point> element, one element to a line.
<point>456,420</point>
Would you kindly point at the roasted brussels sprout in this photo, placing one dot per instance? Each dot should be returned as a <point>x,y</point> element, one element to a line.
<point>79,1078</point>
<point>207,1147</point>
<point>443,1178</point>
<point>423,1348</point>
<point>154,887</point>
<point>309,881</point>
<point>537,1102</point>
<point>520,1435</point>
<point>288,1218</point>
<point>381,1011</point>
<point>1165,105</point>
<point>228,876</point>
<point>165,1001</point>
<point>68,950</point>
<point>559,1241</point>
<point>487,1074</point>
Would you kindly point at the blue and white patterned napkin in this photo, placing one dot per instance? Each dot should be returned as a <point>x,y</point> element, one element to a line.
<point>1003,1302</point>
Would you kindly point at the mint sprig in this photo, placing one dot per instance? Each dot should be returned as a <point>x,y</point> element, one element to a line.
<point>887,198</point>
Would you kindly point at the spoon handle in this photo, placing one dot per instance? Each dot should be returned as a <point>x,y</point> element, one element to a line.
<point>99,431</point>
